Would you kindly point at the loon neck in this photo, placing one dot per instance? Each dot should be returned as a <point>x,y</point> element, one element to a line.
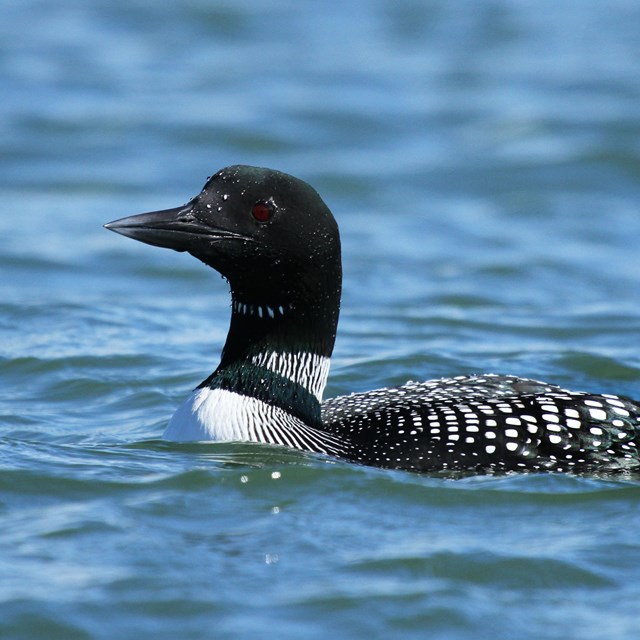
<point>279,353</point>
<point>294,325</point>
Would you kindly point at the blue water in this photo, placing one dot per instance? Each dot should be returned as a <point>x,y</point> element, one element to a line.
<point>483,162</point>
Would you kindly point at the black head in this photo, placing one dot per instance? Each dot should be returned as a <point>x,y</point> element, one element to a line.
<point>268,233</point>
<point>271,236</point>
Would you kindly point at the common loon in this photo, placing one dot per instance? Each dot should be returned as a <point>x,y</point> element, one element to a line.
<point>277,244</point>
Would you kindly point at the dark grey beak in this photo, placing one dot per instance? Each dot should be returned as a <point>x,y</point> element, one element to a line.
<point>171,228</point>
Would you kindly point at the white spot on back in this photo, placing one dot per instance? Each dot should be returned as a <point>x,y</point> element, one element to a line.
<point>598,414</point>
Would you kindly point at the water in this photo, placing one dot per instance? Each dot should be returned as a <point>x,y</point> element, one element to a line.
<point>483,161</point>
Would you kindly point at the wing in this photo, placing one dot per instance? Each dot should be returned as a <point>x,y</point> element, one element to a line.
<point>486,422</point>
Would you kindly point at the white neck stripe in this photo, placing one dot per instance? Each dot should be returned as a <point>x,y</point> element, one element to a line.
<point>307,369</point>
<point>261,311</point>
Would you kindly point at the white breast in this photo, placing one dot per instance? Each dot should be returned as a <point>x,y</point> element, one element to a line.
<point>212,414</point>
<point>225,416</point>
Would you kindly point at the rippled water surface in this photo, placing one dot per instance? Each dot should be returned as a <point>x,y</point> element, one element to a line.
<point>483,162</point>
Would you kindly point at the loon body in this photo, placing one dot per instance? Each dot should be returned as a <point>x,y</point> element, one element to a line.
<point>276,242</point>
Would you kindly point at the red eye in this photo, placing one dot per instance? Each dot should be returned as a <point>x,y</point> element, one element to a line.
<point>262,211</point>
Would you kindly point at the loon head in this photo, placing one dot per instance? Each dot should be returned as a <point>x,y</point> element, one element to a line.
<point>275,241</point>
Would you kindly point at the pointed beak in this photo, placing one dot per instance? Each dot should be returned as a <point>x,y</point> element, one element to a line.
<point>171,228</point>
